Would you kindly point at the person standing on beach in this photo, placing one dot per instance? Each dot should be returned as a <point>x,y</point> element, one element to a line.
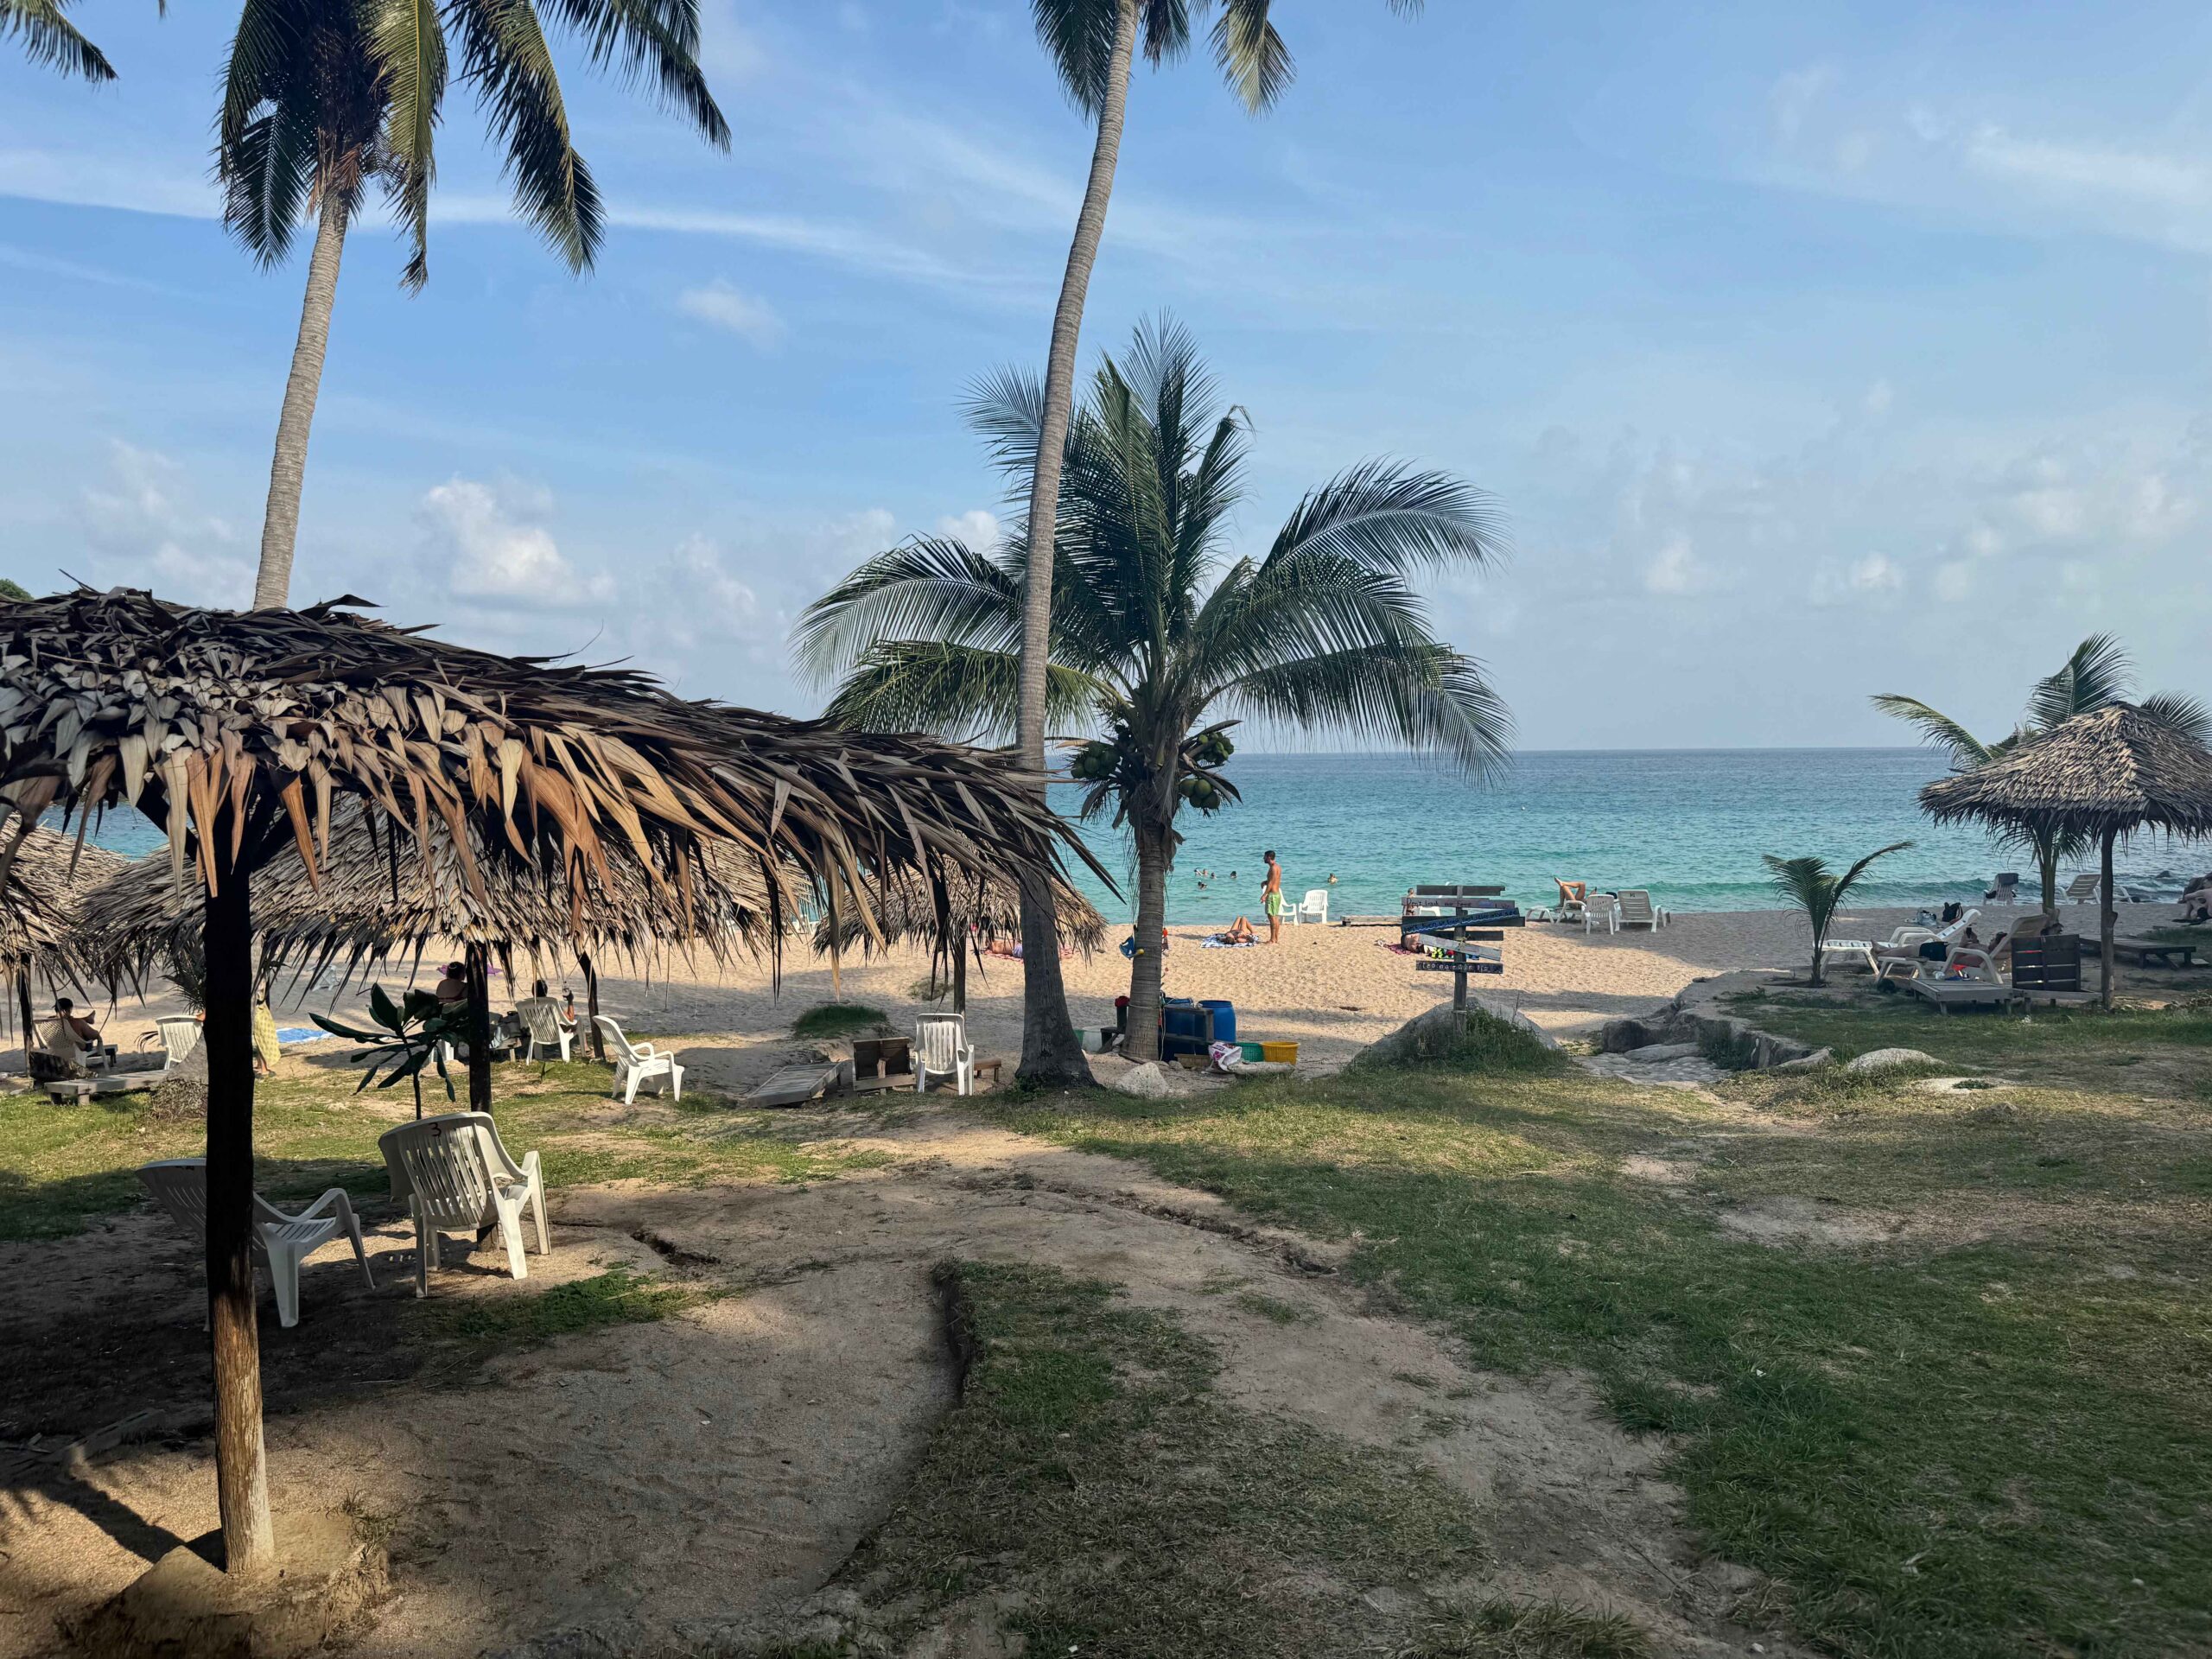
<point>1271,896</point>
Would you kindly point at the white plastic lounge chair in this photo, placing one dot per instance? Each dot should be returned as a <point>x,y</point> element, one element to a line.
<point>453,1176</point>
<point>180,1034</point>
<point>1572,901</point>
<point>2007,890</point>
<point>2083,887</point>
<point>1315,908</point>
<point>541,1019</point>
<point>942,1048</point>
<point>637,1063</point>
<point>1638,911</point>
<point>180,1186</point>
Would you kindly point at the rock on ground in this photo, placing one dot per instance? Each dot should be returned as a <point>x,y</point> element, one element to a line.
<point>1888,1060</point>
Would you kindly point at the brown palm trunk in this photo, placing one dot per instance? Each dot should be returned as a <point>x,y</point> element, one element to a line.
<point>1049,1051</point>
<point>591,1007</point>
<point>23,1003</point>
<point>280,525</point>
<point>2108,917</point>
<point>1144,972</point>
<point>241,1465</point>
<point>480,1029</point>
<point>2047,859</point>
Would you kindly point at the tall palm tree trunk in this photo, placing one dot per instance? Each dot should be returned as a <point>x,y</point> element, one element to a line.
<point>234,1341</point>
<point>476,965</point>
<point>280,525</point>
<point>1050,1052</point>
<point>2047,866</point>
<point>1143,1043</point>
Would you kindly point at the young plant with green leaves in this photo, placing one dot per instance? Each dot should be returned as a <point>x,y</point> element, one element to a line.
<point>1094,44</point>
<point>1163,636</point>
<point>409,1036</point>
<point>325,97</point>
<point>1819,892</point>
<point>2098,674</point>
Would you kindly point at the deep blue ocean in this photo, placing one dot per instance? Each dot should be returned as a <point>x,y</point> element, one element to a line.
<point>1688,824</point>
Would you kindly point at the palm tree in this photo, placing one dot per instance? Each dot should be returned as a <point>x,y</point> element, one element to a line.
<point>1161,638</point>
<point>1810,884</point>
<point>325,96</point>
<point>1093,44</point>
<point>50,37</point>
<point>2098,674</point>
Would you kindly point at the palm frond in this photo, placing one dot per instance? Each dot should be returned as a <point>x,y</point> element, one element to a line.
<point>505,59</point>
<point>2182,714</point>
<point>50,38</point>
<point>916,685</point>
<point>1078,36</point>
<point>268,176</point>
<point>406,47</point>
<point>1852,877</point>
<point>1007,408</point>
<point>932,587</point>
<point>2097,675</point>
<point>1396,518</point>
<point>1252,56</point>
<point>1936,729</point>
<point>267,135</point>
<point>653,42</point>
<point>1423,694</point>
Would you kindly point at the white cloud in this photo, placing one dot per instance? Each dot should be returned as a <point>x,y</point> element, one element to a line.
<point>1871,579</point>
<point>1953,581</point>
<point>2174,183</point>
<point>143,531</point>
<point>1674,569</point>
<point>481,540</point>
<point>979,528</point>
<point>1793,96</point>
<point>723,307</point>
<point>728,51</point>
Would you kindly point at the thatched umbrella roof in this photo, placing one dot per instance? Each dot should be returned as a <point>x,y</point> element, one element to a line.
<point>2114,770</point>
<point>119,696</point>
<point>379,897</point>
<point>2103,775</point>
<point>51,875</point>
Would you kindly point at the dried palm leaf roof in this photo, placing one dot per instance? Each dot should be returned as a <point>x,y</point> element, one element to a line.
<point>380,896</point>
<point>987,908</point>
<point>39,925</point>
<point>2113,769</point>
<point>119,696</point>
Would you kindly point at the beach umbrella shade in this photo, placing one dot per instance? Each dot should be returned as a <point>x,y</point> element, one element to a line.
<point>2103,775</point>
<point>237,732</point>
<point>965,911</point>
<point>379,896</point>
<point>48,880</point>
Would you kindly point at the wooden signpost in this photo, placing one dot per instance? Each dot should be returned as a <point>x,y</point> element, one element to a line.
<point>1464,942</point>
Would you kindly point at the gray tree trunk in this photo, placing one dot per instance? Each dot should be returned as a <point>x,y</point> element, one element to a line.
<point>2106,918</point>
<point>1143,1042</point>
<point>280,525</point>
<point>2047,865</point>
<point>1050,1052</point>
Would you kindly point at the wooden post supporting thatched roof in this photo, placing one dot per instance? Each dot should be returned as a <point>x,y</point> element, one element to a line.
<point>2103,775</point>
<point>239,732</point>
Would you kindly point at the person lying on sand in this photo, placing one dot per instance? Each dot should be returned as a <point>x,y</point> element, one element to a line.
<point>1237,932</point>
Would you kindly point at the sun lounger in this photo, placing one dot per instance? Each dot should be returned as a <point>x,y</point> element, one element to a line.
<point>1948,994</point>
<point>1636,910</point>
<point>2153,953</point>
<point>2083,887</point>
<point>180,1186</point>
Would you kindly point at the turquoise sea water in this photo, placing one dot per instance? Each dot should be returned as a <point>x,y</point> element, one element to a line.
<point>1688,824</point>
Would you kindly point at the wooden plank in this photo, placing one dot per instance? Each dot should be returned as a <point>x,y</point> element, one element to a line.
<point>1455,947</point>
<point>1472,892</point>
<point>791,1085</point>
<point>1427,967</point>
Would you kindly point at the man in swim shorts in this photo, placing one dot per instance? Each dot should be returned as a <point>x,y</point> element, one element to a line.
<point>1271,896</point>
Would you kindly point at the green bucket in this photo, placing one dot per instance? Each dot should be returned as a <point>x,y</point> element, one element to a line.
<point>1251,1050</point>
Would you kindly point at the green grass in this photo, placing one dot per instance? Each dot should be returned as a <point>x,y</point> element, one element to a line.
<point>830,1020</point>
<point>615,1297</point>
<point>1993,1440</point>
<point>1091,1486</point>
<point>63,1167</point>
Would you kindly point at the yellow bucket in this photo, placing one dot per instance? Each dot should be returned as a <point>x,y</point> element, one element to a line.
<point>1280,1053</point>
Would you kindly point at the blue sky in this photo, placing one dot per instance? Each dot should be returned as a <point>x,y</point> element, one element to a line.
<point>1810,351</point>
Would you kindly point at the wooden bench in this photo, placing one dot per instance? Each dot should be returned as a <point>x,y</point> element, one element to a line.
<point>2153,953</point>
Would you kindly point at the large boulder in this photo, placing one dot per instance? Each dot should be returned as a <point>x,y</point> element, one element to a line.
<point>1730,1042</point>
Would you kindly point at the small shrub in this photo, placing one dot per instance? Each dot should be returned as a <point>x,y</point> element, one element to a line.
<point>1482,1042</point>
<point>832,1020</point>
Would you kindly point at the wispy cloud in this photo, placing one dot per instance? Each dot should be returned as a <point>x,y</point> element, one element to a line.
<point>720,306</point>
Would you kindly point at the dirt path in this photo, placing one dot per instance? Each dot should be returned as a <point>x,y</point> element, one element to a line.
<point>649,1480</point>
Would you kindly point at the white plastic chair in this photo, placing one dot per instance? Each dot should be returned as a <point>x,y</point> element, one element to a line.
<point>941,1046</point>
<point>1636,910</point>
<point>180,1186</point>
<point>541,1018</point>
<point>637,1063</point>
<point>1314,907</point>
<point>455,1176</point>
<point>1601,909</point>
<point>180,1034</point>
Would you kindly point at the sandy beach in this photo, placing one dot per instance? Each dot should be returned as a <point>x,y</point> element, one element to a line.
<point>1330,990</point>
